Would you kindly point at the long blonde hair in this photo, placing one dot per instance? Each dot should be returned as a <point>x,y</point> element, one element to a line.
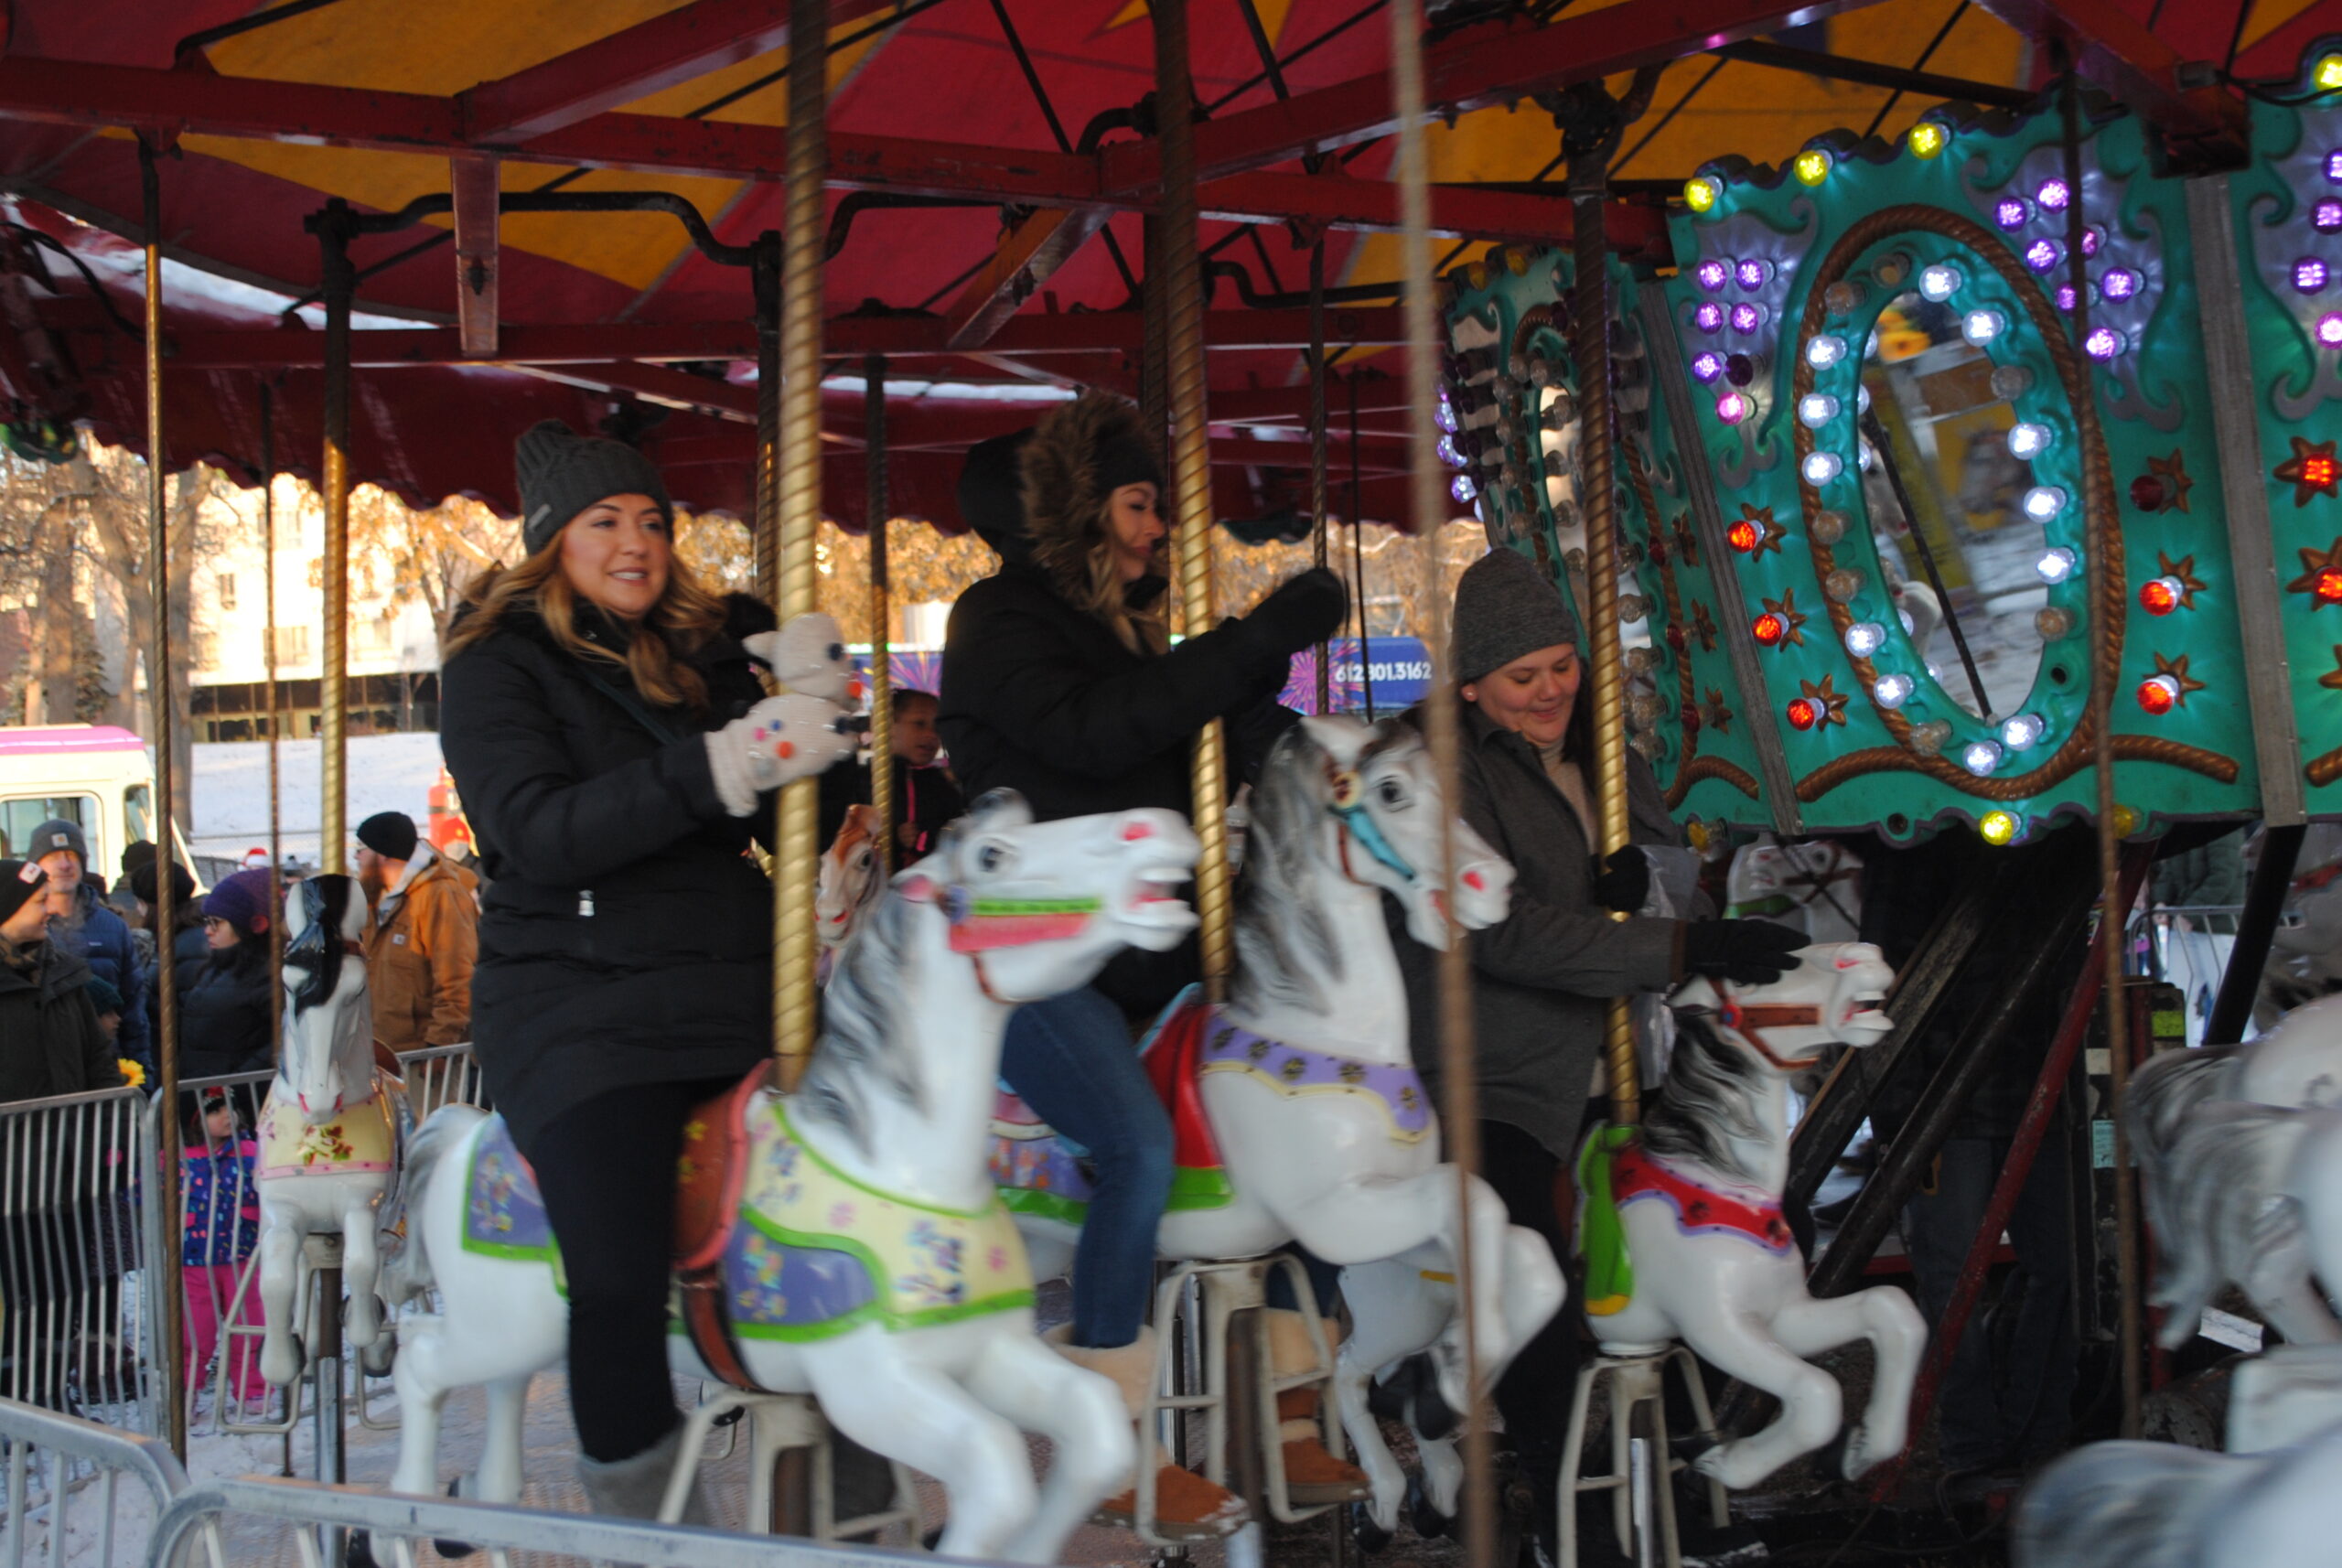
<point>686,616</point>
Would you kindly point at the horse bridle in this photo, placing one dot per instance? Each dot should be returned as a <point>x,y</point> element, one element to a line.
<point>1349,810</point>
<point>1750,1019</point>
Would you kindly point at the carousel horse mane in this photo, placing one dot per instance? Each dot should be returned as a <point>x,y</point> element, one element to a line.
<point>867,1032</point>
<point>317,951</point>
<point>1286,951</point>
<point>1709,1099</point>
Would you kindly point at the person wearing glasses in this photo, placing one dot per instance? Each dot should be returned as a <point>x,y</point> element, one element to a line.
<point>223,1017</point>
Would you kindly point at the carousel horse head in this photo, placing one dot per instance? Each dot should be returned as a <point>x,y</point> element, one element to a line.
<point>327,1055</point>
<point>1362,804</point>
<point>1040,907</point>
<point>1832,997</point>
<point>849,878</point>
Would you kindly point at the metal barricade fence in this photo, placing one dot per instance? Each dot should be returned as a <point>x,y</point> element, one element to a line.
<point>69,1473</point>
<point>74,1323</point>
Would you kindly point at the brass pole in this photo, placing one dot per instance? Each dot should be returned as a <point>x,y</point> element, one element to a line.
<point>1319,525</point>
<point>166,903</point>
<point>798,519</point>
<point>1191,536</point>
<point>1460,1124</point>
<point>276,786</point>
<point>1598,449</point>
<point>2106,607</point>
<point>874,514</point>
<point>338,281</point>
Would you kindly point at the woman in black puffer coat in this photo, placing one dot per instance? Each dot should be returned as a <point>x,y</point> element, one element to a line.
<point>614,749</point>
<point>223,1015</point>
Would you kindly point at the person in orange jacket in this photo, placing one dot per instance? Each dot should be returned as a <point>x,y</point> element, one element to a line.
<point>424,939</point>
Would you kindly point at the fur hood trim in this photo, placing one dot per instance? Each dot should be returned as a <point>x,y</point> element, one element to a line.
<point>1064,507</point>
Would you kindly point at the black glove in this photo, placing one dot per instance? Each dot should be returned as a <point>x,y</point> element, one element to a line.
<point>1746,952</point>
<point>1623,882</point>
<point>1303,610</point>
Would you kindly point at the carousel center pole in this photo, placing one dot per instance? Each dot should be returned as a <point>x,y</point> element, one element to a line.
<point>334,228</point>
<point>158,701</point>
<point>1320,525</point>
<point>1460,1116</point>
<point>1590,346</point>
<point>268,667</point>
<point>874,520</point>
<point>1191,533</point>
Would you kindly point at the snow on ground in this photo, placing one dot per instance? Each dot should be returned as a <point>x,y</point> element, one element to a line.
<point>387,773</point>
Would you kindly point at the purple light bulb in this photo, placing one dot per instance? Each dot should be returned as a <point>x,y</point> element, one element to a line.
<point>1747,319</point>
<point>2329,329</point>
<point>2011,212</point>
<point>2120,283</point>
<point>1707,366</point>
<point>2103,343</point>
<point>2309,275</point>
<point>1711,274</point>
<point>2054,195</point>
<point>1750,274</point>
<point>2326,216</point>
<point>2044,255</point>
<point>1709,317</point>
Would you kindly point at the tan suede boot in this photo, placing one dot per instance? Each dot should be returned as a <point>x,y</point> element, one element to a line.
<point>1313,1476</point>
<point>1186,1506</point>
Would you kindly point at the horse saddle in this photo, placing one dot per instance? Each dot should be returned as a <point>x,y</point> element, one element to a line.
<point>710,1177</point>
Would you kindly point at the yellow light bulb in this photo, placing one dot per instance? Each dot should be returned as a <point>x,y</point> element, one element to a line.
<point>2327,74</point>
<point>1699,195</point>
<point>1927,139</point>
<point>2126,821</point>
<point>1998,827</point>
<point>1813,166</point>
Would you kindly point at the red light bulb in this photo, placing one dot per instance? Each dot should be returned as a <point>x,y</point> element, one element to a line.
<point>1769,627</point>
<point>2163,596</point>
<point>2158,693</point>
<point>2328,585</point>
<point>1745,535</point>
<point>1803,714</point>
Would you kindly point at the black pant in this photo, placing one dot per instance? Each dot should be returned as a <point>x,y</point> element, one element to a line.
<point>1534,1395</point>
<point>606,1168</point>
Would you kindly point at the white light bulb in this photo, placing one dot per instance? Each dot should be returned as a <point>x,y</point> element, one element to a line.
<point>2043,502</point>
<point>1864,637</point>
<point>1939,282</point>
<point>1891,691</point>
<point>2022,731</point>
<point>1817,409</point>
<point>2056,565</point>
<point>1821,468</point>
<point>1980,326</point>
<point>2029,440</point>
<point>1825,350</point>
<point>1980,758</point>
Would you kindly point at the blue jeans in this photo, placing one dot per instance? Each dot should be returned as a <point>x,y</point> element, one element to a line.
<point>1071,1060</point>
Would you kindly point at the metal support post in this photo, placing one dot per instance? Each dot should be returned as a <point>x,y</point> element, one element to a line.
<point>876,507</point>
<point>2264,906</point>
<point>333,227</point>
<point>1320,525</point>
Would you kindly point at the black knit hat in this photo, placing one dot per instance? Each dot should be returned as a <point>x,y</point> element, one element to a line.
<point>560,473</point>
<point>21,882</point>
<point>58,833</point>
<point>390,834</point>
<point>1505,609</point>
<point>142,887</point>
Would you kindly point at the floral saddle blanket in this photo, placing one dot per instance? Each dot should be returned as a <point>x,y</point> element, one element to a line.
<point>1040,1172</point>
<point>365,1139</point>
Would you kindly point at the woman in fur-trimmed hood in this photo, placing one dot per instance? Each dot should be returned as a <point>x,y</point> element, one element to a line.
<point>1060,682</point>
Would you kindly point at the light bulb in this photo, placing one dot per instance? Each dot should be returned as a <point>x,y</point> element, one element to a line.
<point>1864,637</point>
<point>1821,468</point>
<point>1700,194</point>
<point>1926,139</point>
<point>2162,595</point>
<point>1891,691</point>
<point>1939,282</point>
<point>1824,350</point>
<point>1930,738</point>
<point>1828,527</point>
<point>2029,440</point>
<point>1462,488</point>
<point>1997,828</point>
<point>2022,731</point>
<point>1980,758</point>
<point>1980,326</point>
<point>2104,343</point>
<point>1843,584</point>
<point>2158,693</point>
<point>1812,166</point>
<point>1732,407</point>
<point>1817,409</point>
<point>2043,502</point>
<point>2053,622</point>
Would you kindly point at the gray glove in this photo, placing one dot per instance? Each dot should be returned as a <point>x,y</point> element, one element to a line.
<point>777,741</point>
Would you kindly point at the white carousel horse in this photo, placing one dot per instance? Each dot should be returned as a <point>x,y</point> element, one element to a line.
<point>1813,886</point>
<point>2211,1167</point>
<point>2157,1505</point>
<point>1695,1201</point>
<point>1299,1111</point>
<point>329,1132</point>
<point>871,1263</point>
<point>848,883</point>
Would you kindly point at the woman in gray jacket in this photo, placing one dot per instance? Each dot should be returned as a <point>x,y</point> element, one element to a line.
<point>1542,975</point>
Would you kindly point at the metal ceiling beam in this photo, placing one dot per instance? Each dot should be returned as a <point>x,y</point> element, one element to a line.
<point>895,337</point>
<point>1871,73</point>
<point>1271,196</point>
<point>1040,242</point>
<point>1474,68</point>
<point>474,183</point>
<point>2123,56</point>
<point>633,63</point>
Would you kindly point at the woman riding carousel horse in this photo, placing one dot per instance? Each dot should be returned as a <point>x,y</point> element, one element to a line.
<point>1541,974</point>
<point>615,750</point>
<point>1060,682</point>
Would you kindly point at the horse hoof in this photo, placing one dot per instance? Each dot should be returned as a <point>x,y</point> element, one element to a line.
<point>1370,1537</point>
<point>1835,1456</point>
<point>1693,1447</point>
<point>1423,1515</point>
<point>376,1359</point>
<point>454,1549</point>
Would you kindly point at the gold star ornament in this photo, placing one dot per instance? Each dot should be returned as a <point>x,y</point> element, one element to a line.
<point>2321,576</point>
<point>2311,470</point>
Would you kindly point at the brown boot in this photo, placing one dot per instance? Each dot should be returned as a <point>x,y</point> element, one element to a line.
<point>1313,1475</point>
<point>1186,1507</point>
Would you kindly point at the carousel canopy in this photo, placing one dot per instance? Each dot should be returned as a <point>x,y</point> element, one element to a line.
<point>990,171</point>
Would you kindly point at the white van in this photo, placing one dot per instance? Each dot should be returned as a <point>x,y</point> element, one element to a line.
<point>99,775</point>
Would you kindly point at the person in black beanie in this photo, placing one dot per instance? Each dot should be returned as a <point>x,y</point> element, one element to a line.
<point>1542,976</point>
<point>616,752</point>
<point>1060,682</point>
<point>50,1039</point>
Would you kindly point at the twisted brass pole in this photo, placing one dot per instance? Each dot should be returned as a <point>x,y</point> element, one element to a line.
<point>276,784</point>
<point>166,903</point>
<point>873,517</point>
<point>1191,537</point>
<point>1459,1065</point>
<point>1598,452</point>
<point>796,846</point>
<point>339,282</point>
<point>1319,524</point>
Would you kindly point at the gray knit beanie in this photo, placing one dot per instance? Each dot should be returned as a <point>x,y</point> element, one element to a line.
<point>1505,609</point>
<point>560,473</point>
